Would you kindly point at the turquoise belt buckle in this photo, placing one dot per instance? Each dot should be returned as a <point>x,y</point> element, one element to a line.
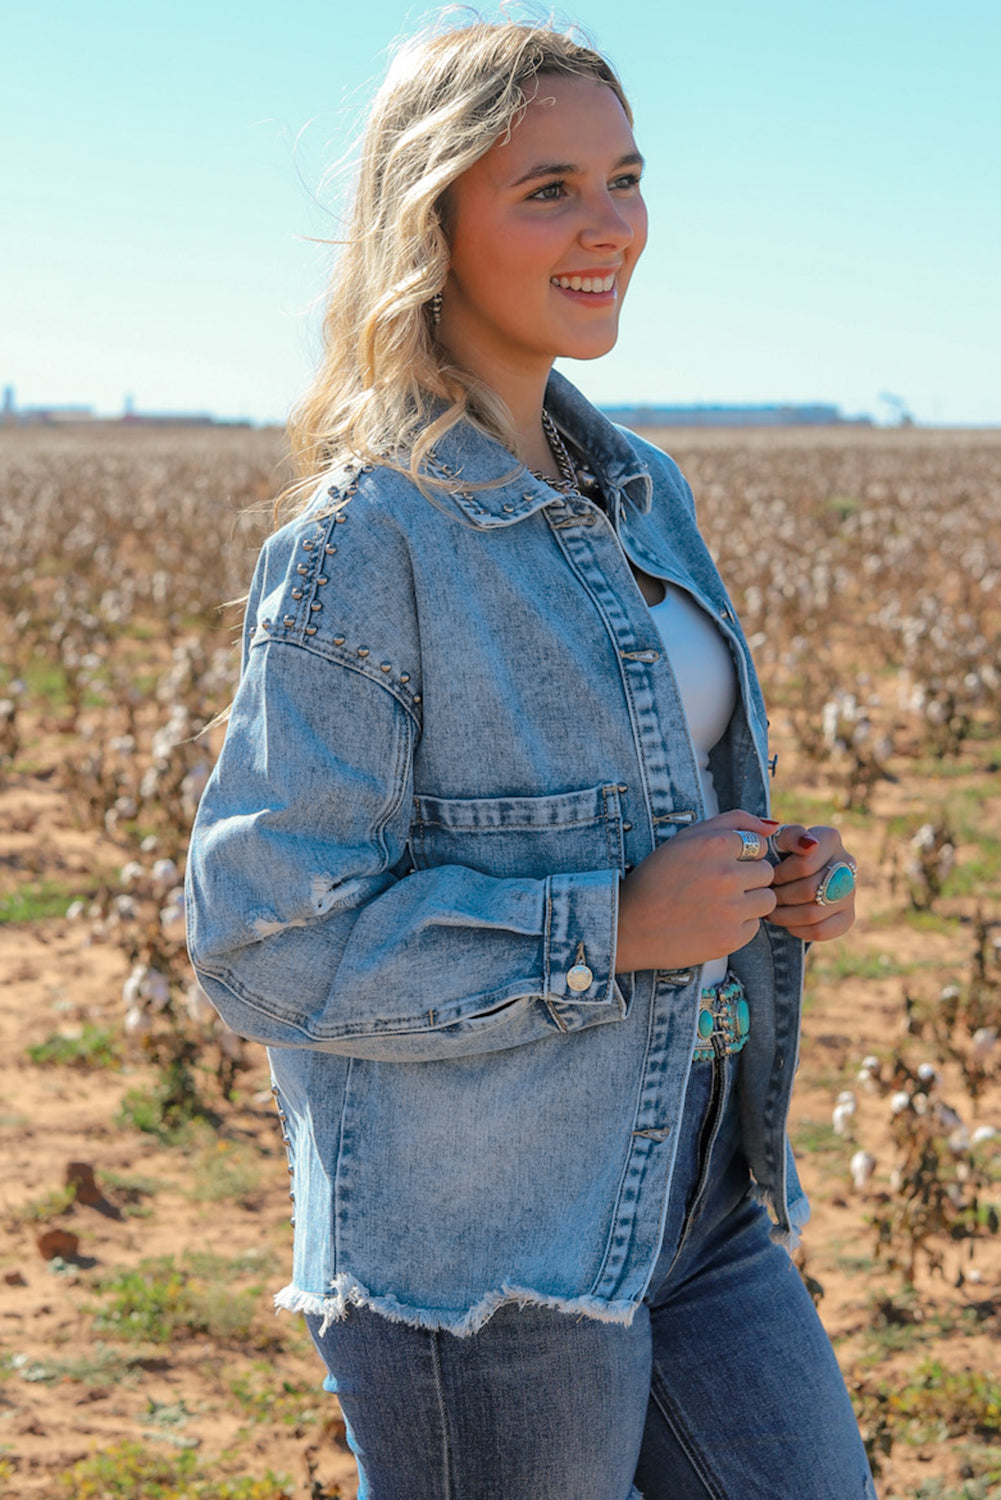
<point>724,1021</point>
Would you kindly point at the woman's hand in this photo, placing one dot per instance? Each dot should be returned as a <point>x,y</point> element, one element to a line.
<point>694,898</point>
<point>807,854</point>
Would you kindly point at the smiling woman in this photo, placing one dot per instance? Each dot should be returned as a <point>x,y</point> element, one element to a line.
<point>544,233</point>
<point>486,860</point>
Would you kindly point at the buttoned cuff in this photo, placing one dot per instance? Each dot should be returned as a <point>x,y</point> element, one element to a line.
<point>582,918</point>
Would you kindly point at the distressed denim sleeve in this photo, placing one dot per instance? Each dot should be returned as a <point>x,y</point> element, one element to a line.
<point>303,928</point>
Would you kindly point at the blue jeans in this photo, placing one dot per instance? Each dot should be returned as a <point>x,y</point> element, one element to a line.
<point>725,1387</point>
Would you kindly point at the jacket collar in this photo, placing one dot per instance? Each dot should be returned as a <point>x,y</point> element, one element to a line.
<point>465,453</point>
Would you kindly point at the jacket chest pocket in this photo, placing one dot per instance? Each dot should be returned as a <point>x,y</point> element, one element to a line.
<point>520,837</point>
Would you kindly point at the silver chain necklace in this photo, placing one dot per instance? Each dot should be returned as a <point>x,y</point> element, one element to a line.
<point>567,482</point>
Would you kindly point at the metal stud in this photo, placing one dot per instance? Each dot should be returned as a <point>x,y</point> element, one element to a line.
<point>622,787</point>
<point>301,568</point>
<point>316,604</point>
<point>322,580</point>
<point>310,629</point>
<point>363,651</point>
<point>288,620</point>
<point>339,519</point>
<point>307,546</point>
<point>387,666</point>
<point>508,508</point>
<point>417,697</point>
<point>330,549</point>
<point>338,640</point>
<point>297,593</point>
<point>404,676</point>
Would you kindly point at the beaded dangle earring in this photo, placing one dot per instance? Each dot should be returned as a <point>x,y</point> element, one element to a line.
<point>435,306</point>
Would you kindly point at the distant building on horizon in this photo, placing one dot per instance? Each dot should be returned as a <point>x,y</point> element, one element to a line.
<point>32,416</point>
<point>785,414</point>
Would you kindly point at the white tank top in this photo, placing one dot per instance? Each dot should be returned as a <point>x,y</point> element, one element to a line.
<point>703,669</point>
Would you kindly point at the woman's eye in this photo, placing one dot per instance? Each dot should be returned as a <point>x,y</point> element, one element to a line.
<point>550,192</point>
<point>628,180</point>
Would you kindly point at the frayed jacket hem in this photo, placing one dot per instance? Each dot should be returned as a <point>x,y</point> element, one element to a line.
<point>788,1229</point>
<point>332,1307</point>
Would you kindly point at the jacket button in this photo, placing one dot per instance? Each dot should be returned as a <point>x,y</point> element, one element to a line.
<point>579,978</point>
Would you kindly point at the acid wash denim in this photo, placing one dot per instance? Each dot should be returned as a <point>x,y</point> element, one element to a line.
<point>456,728</point>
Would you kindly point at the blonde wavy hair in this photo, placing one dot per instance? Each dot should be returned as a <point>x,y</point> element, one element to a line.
<point>447,98</point>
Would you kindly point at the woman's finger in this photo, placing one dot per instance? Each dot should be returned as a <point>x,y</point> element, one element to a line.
<point>793,838</point>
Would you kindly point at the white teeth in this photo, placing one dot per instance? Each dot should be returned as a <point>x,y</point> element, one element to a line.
<point>585,283</point>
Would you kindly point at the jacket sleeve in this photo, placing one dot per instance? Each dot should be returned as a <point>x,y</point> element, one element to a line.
<point>306,930</point>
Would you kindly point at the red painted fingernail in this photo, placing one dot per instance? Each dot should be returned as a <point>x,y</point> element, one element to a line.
<point>772,822</point>
<point>807,841</point>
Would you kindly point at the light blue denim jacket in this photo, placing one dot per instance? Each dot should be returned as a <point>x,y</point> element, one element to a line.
<point>456,728</point>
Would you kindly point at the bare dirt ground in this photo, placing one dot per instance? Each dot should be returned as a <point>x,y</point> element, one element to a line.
<point>197,1367</point>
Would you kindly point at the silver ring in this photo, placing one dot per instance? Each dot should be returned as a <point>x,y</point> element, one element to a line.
<point>838,882</point>
<point>750,844</point>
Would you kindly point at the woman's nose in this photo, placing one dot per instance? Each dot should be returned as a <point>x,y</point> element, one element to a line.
<point>605,224</point>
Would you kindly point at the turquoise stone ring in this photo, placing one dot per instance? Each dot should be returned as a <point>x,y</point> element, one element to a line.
<point>838,882</point>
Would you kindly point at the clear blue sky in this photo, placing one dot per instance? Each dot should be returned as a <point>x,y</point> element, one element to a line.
<point>823,183</point>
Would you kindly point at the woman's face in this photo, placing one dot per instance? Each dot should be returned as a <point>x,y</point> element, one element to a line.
<point>535,222</point>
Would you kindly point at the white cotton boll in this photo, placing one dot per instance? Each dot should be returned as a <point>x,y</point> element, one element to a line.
<point>899,1102</point>
<point>861,1167</point>
<point>983,1133</point>
<point>137,1021</point>
<point>193,786</point>
<point>172,921</point>
<point>165,874</point>
<point>150,844</point>
<point>928,1074</point>
<point>949,993</point>
<point>124,908</point>
<point>130,873</point>
<point>872,1064</point>
<point>958,1141</point>
<point>155,989</point>
<point>896,1180</point>
<point>75,910</point>
<point>842,1113</point>
<point>149,784</point>
<point>983,1041</point>
<point>132,988</point>
<point>919,1104</point>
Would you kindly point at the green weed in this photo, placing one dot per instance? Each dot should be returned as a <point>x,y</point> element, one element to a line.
<point>36,901</point>
<point>263,1399</point>
<point>816,1138</point>
<point>130,1471</point>
<point>171,1108</point>
<point>225,1170</point>
<point>93,1048</point>
<point>160,1302</point>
